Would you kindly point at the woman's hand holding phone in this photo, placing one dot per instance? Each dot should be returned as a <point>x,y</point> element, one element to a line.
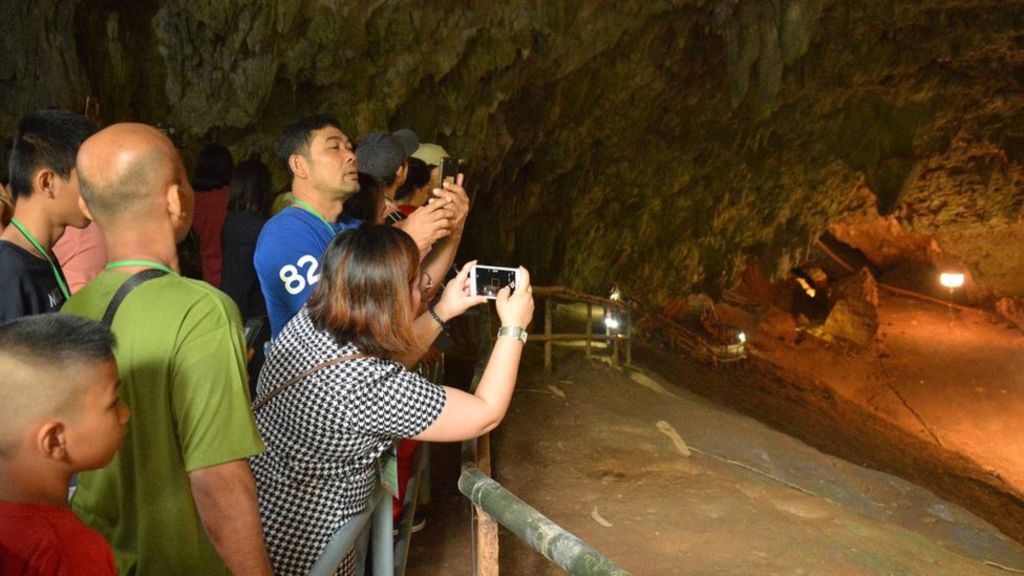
<point>515,308</point>
<point>456,297</point>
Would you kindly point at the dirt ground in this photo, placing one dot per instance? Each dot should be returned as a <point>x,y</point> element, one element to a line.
<point>937,401</point>
<point>940,393</point>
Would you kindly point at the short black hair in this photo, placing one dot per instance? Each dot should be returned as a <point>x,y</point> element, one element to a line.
<point>250,188</point>
<point>56,339</point>
<point>294,139</point>
<point>416,177</point>
<point>365,205</point>
<point>46,139</point>
<point>213,168</point>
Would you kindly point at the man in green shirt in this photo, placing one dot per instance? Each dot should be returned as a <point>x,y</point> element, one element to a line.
<point>178,498</point>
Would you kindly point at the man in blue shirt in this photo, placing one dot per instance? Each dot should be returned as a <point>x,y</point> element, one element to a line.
<point>320,159</point>
<point>322,164</point>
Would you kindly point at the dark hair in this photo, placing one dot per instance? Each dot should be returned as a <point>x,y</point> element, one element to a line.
<point>294,139</point>
<point>5,160</point>
<point>364,293</point>
<point>250,188</point>
<point>46,139</point>
<point>56,338</point>
<point>366,204</point>
<point>417,177</point>
<point>213,169</point>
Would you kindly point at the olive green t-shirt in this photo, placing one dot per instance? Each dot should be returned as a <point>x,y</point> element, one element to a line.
<point>180,354</point>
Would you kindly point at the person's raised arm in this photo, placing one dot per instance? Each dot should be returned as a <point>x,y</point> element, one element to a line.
<point>467,415</point>
<point>454,301</point>
<point>225,497</point>
<point>437,262</point>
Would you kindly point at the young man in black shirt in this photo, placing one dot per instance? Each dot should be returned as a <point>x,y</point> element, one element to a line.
<point>44,187</point>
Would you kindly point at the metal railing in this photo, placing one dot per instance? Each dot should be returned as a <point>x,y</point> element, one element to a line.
<point>493,504</point>
<point>554,542</point>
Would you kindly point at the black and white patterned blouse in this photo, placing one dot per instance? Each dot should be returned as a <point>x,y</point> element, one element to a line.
<point>324,435</point>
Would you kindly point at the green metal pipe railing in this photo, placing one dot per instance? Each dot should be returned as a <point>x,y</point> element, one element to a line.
<point>555,543</point>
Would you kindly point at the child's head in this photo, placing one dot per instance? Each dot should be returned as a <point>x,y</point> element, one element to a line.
<point>58,392</point>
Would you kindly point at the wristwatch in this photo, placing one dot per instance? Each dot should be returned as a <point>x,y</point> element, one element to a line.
<point>513,332</point>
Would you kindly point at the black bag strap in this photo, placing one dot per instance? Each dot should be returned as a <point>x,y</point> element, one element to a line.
<point>301,376</point>
<point>129,285</point>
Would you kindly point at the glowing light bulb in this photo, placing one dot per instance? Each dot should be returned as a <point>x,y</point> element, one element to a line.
<point>612,322</point>
<point>742,336</point>
<point>951,279</point>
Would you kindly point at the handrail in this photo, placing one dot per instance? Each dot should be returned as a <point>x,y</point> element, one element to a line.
<point>494,504</point>
<point>554,542</point>
<point>346,536</point>
<point>572,295</point>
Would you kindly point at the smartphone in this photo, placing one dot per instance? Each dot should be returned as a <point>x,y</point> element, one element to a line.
<point>487,280</point>
<point>449,170</point>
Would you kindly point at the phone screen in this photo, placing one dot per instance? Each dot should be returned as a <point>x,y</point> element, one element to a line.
<point>491,279</point>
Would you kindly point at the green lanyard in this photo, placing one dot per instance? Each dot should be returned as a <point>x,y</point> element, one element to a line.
<point>311,210</point>
<point>146,263</point>
<point>53,265</point>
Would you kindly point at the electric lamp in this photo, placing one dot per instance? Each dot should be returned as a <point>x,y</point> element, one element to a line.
<point>951,280</point>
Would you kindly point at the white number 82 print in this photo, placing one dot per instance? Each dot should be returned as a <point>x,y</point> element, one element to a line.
<point>294,280</point>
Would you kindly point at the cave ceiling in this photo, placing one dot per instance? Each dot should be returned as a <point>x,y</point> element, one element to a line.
<point>661,145</point>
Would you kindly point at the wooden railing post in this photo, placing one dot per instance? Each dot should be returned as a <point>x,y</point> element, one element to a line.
<point>613,334</point>
<point>486,552</point>
<point>629,339</point>
<point>590,325</point>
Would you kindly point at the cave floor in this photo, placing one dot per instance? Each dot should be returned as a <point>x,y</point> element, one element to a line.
<point>940,393</point>
<point>584,446</point>
<point>954,378</point>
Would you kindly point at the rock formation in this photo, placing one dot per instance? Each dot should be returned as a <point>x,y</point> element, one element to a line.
<point>659,145</point>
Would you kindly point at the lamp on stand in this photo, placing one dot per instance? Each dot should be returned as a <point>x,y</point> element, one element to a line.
<point>951,280</point>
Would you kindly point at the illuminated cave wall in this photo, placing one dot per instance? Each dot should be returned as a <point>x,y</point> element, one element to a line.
<point>656,144</point>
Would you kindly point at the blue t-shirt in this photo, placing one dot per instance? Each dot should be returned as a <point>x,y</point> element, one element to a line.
<point>287,260</point>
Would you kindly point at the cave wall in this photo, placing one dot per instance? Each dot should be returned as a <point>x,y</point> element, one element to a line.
<point>659,145</point>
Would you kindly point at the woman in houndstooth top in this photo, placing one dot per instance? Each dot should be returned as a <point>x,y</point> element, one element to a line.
<point>325,433</point>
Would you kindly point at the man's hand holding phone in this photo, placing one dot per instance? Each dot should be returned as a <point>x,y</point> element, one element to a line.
<point>451,190</point>
<point>428,224</point>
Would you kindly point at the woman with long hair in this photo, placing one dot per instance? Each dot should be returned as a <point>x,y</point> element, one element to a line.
<point>332,397</point>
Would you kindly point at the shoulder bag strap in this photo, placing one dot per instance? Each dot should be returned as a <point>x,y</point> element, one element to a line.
<point>301,376</point>
<point>129,285</point>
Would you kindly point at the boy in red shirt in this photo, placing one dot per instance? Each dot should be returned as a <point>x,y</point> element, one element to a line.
<point>60,413</point>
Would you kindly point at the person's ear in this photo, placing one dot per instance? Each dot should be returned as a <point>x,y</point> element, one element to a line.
<point>174,204</point>
<point>297,162</point>
<point>84,208</point>
<point>44,181</point>
<point>51,441</point>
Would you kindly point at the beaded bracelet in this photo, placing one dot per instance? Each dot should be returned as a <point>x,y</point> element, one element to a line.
<point>433,314</point>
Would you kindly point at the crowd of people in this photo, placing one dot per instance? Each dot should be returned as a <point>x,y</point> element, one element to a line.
<point>230,423</point>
